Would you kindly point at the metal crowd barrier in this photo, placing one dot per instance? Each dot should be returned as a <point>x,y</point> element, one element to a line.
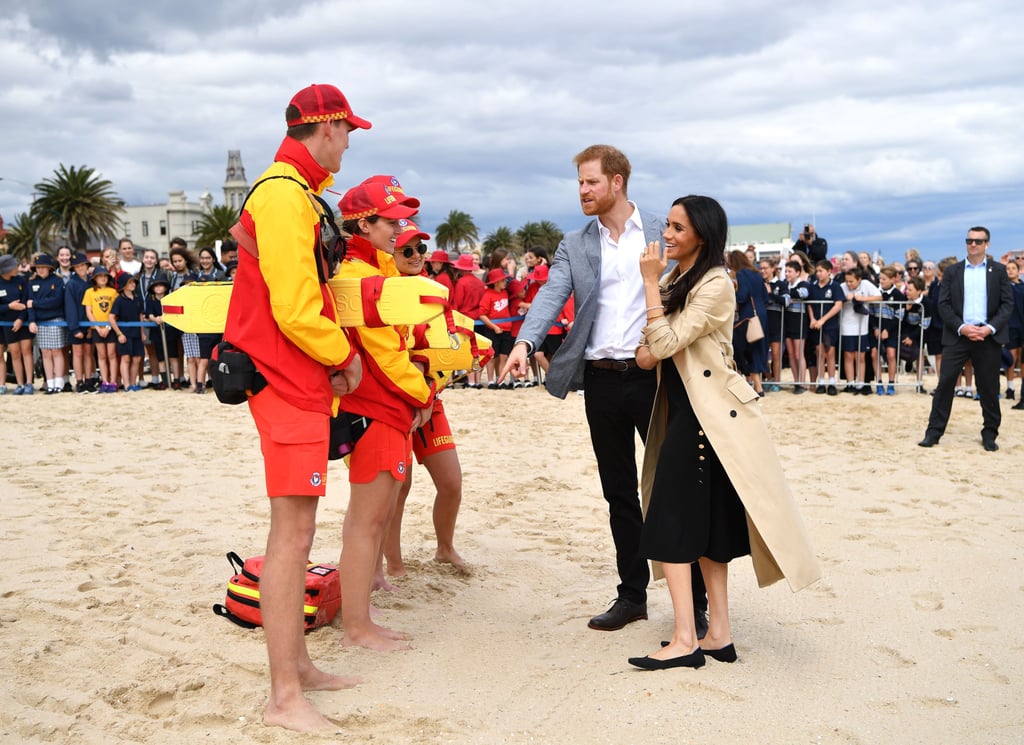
<point>876,310</point>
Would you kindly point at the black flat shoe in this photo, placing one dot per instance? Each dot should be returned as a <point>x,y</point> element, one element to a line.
<point>725,654</point>
<point>695,659</point>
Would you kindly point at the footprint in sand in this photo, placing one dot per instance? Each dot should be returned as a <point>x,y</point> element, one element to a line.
<point>927,601</point>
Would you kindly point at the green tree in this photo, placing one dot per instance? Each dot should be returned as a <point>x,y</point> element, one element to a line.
<point>21,237</point>
<point>216,225</point>
<point>77,203</point>
<point>457,230</point>
<point>501,237</point>
<point>553,235</point>
<point>531,234</point>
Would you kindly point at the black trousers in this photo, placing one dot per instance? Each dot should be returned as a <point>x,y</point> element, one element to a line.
<point>986,357</point>
<point>618,405</point>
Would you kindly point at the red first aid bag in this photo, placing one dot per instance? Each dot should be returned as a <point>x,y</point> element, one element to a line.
<point>242,605</point>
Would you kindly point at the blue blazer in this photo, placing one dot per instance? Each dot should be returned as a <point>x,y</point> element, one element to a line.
<point>575,268</point>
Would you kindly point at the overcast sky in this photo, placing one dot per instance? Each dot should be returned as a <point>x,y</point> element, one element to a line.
<point>889,125</point>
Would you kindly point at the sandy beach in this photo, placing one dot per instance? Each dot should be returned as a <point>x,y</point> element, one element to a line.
<point>116,514</point>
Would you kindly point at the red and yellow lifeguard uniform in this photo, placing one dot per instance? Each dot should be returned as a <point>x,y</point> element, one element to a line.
<point>392,387</point>
<point>280,314</point>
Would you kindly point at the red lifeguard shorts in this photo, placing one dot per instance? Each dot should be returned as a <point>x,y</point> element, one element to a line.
<point>381,448</point>
<point>434,436</point>
<point>294,444</point>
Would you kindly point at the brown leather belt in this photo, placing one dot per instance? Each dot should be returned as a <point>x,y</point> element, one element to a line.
<point>617,365</point>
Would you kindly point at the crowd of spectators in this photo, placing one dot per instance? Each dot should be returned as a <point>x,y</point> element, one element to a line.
<point>846,324</point>
<point>102,321</point>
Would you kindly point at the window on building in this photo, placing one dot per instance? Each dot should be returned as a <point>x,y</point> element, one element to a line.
<point>145,228</point>
<point>163,227</point>
<point>128,230</point>
<point>195,227</point>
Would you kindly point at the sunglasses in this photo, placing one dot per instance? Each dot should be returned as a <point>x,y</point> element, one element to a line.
<point>977,241</point>
<point>913,268</point>
<point>408,251</point>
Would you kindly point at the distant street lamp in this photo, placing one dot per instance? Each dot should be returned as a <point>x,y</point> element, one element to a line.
<point>35,223</point>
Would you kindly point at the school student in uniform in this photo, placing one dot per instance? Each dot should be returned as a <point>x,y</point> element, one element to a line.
<point>154,313</point>
<point>98,301</point>
<point>128,307</point>
<point>83,358</point>
<point>17,338</point>
<point>46,320</point>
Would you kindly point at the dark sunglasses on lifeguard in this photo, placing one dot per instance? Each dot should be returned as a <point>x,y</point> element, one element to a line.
<point>408,251</point>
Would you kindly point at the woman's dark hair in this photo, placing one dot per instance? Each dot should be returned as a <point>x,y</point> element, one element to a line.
<point>494,261</point>
<point>352,226</point>
<point>712,226</point>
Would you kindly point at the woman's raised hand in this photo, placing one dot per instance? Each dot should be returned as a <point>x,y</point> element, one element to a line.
<point>652,262</point>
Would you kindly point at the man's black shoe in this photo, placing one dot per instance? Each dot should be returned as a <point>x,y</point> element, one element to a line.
<point>928,441</point>
<point>621,613</point>
<point>989,445</point>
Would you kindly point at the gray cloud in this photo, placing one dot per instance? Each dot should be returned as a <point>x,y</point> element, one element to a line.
<point>889,126</point>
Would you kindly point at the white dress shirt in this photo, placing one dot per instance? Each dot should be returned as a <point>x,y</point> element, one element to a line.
<point>621,305</point>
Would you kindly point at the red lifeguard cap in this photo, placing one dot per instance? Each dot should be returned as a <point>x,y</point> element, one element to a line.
<point>324,103</point>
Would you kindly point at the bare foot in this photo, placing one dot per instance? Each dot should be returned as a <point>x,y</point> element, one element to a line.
<point>318,680</point>
<point>373,639</point>
<point>300,716</point>
<point>396,569</point>
<point>390,633</point>
<point>381,583</point>
<point>451,556</point>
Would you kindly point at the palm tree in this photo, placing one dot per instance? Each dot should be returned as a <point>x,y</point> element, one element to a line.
<point>501,237</point>
<point>216,225</point>
<point>77,203</point>
<point>21,237</point>
<point>531,234</point>
<point>459,228</point>
<point>553,235</point>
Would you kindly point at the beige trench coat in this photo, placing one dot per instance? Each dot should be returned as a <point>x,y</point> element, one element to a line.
<point>699,342</point>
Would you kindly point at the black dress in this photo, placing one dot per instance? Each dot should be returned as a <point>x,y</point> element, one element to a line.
<point>694,510</point>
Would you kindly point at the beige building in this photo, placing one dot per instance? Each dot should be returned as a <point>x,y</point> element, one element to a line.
<point>153,225</point>
<point>770,240</point>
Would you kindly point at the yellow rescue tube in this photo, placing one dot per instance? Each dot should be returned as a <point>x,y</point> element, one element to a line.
<point>453,352</point>
<point>202,307</point>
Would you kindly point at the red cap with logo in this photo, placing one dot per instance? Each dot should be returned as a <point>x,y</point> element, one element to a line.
<point>407,232</point>
<point>324,103</point>
<point>391,183</point>
<point>367,200</point>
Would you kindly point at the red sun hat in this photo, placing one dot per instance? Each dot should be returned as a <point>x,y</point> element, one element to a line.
<point>464,263</point>
<point>324,103</point>
<point>539,274</point>
<point>367,200</point>
<point>407,231</point>
<point>495,275</point>
<point>441,257</point>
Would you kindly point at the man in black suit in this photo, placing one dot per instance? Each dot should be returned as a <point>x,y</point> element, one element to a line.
<point>975,303</point>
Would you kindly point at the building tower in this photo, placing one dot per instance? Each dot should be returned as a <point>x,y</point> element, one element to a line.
<point>235,185</point>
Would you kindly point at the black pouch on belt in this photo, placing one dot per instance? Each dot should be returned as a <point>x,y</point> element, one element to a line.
<point>234,374</point>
